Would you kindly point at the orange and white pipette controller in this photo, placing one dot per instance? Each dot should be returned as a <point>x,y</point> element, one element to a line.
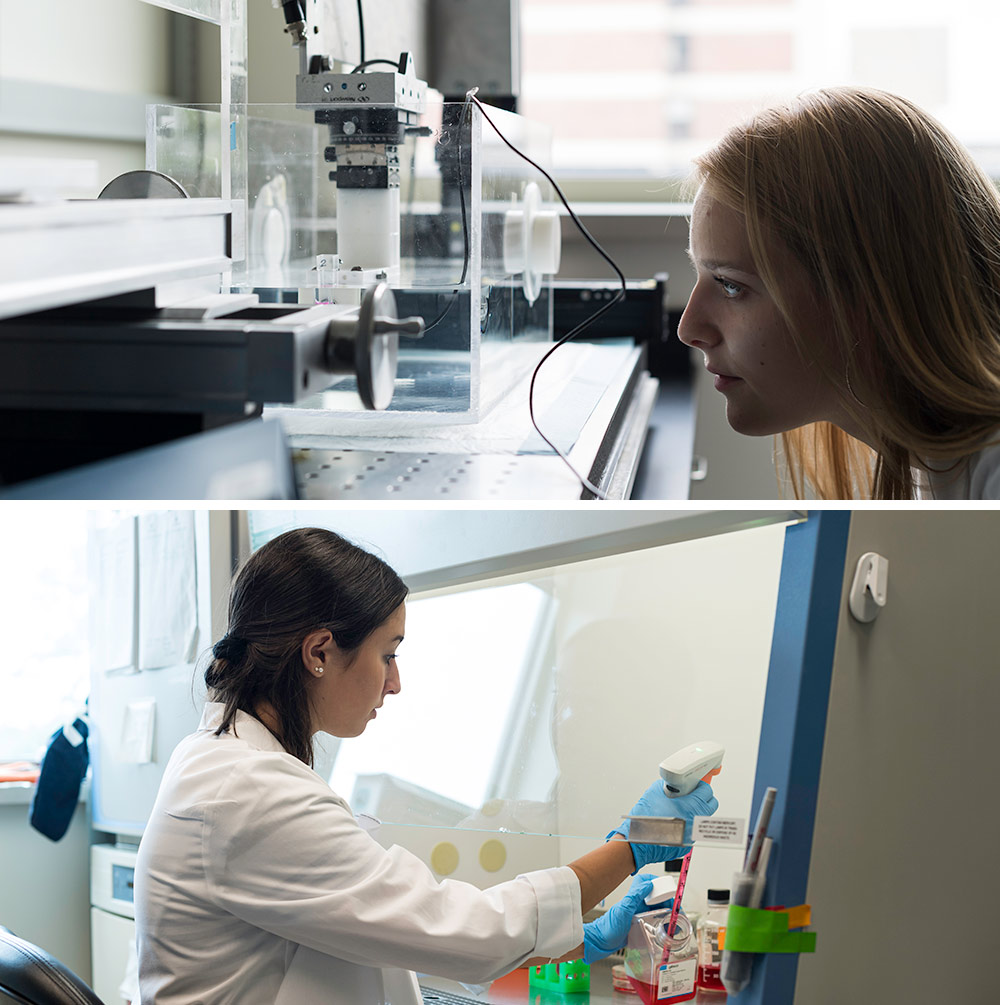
<point>697,762</point>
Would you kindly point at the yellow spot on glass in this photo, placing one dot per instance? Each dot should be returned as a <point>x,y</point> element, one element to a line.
<point>492,855</point>
<point>444,858</point>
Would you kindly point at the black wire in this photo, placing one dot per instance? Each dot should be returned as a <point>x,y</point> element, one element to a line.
<point>361,33</point>
<point>442,315</point>
<point>461,188</point>
<point>587,322</point>
<point>465,222</point>
<point>365,63</point>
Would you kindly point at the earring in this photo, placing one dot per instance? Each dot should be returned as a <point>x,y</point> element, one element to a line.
<point>318,670</point>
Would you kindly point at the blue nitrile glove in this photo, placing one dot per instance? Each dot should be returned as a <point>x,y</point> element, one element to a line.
<point>654,802</point>
<point>609,932</point>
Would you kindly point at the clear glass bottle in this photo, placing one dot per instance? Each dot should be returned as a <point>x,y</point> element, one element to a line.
<point>654,983</point>
<point>711,927</point>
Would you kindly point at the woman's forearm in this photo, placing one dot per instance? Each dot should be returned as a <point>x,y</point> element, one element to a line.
<point>601,870</point>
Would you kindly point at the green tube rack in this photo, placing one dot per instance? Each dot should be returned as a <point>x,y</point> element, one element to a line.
<point>566,978</point>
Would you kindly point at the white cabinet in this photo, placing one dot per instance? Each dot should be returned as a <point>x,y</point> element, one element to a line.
<point>112,928</point>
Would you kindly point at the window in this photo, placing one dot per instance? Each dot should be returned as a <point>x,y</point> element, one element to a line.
<point>443,737</point>
<point>43,600</point>
<point>606,77</point>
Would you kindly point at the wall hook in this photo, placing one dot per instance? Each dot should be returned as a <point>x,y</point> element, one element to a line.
<point>868,591</point>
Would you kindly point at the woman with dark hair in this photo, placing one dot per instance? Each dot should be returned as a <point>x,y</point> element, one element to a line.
<point>254,882</point>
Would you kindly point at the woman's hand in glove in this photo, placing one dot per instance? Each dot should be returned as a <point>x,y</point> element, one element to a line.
<point>655,802</point>
<point>610,932</point>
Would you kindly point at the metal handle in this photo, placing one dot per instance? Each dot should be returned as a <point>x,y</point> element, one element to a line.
<point>408,327</point>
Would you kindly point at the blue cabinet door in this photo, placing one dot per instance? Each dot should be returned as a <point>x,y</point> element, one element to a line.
<point>794,722</point>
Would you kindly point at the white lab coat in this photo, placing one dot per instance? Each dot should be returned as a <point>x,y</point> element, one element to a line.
<point>978,477</point>
<point>252,871</point>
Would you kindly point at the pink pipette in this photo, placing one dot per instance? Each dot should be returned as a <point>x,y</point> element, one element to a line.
<point>672,924</point>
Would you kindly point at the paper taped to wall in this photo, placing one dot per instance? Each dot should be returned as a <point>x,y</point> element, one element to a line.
<point>136,746</point>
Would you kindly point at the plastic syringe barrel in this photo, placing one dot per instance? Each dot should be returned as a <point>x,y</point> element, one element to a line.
<point>736,968</point>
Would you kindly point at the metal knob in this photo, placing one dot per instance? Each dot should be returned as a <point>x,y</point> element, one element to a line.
<point>369,342</point>
<point>407,327</point>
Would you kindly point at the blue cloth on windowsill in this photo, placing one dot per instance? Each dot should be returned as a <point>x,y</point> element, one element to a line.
<point>64,767</point>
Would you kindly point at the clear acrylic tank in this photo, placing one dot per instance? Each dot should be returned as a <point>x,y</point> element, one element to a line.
<point>467,240</point>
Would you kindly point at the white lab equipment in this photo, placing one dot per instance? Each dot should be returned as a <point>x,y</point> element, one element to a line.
<point>532,241</point>
<point>112,914</point>
<point>253,286</point>
<point>424,197</point>
<point>682,771</point>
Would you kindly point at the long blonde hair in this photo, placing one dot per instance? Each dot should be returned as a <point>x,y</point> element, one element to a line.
<point>900,233</point>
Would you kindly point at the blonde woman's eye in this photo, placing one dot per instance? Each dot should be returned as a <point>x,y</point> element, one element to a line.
<point>729,288</point>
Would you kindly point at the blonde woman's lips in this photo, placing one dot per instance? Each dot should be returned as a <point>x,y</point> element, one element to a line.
<point>723,380</point>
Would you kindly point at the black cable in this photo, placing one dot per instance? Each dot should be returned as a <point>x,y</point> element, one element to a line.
<point>365,63</point>
<point>461,187</point>
<point>587,322</point>
<point>442,315</point>
<point>465,221</point>
<point>361,33</point>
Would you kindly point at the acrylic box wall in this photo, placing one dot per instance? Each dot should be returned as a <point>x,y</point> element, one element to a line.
<point>461,190</point>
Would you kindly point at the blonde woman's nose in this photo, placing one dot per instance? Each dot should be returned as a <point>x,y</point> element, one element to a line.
<point>695,327</point>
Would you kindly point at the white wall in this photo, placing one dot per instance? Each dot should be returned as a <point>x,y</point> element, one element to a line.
<point>104,45</point>
<point>903,881</point>
<point>45,892</point>
<point>81,56</point>
<point>125,791</point>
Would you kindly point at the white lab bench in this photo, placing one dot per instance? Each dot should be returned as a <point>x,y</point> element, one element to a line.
<point>630,434</point>
<point>513,990</point>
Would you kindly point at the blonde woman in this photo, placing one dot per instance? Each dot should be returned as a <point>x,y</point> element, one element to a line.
<point>847,252</point>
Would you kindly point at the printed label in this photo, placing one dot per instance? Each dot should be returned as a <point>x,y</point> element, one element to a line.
<point>677,978</point>
<point>720,830</point>
<point>710,943</point>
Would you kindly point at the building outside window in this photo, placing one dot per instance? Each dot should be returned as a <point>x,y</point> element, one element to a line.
<point>610,79</point>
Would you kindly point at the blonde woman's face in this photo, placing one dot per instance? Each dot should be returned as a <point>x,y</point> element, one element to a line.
<point>748,346</point>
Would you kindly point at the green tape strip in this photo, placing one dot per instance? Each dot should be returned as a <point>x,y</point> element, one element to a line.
<point>771,942</point>
<point>749,930</point>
